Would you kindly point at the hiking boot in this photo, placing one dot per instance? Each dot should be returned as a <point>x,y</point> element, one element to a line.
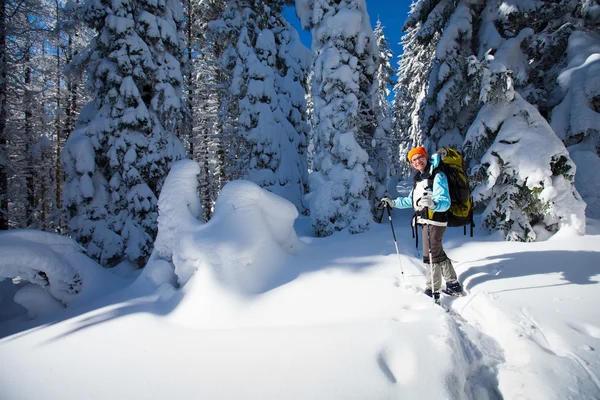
<point>430,293</point>
<point>454,287</point>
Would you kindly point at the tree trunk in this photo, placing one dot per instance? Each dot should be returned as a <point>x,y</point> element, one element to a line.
<point>72,95</point>
<point>30,206</point>
<point>44,190</point>
<point>3,133</point>
<point>58,126</point>
<point>190,76</point>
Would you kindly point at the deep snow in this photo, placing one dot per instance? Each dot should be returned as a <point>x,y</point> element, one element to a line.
<point>328,318</point>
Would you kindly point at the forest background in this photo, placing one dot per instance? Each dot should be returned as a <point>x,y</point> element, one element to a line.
<point>98,99</point>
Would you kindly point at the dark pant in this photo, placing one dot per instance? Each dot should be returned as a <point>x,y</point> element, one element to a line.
<point>437,251</point>
<point>440,263</point>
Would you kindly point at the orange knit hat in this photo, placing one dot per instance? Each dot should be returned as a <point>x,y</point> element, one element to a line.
<point>416,150</point>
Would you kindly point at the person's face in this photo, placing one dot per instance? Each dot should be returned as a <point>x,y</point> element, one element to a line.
<point>419,162</point>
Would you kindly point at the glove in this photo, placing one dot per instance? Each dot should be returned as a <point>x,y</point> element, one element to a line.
<point>387,202</point>
<point>425,202</point>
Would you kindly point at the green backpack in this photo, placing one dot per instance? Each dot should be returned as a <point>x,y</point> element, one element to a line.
<point>460,212</point>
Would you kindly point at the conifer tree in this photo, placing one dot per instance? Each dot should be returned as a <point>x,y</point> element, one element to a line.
<point>344,52</point>
<point>423,26</point>
<point>446,114</point>
<point>3,119</point>
<point>494,78</point>
<point>120,153</point>
<point>386,161</point>
<point>522,172</point>
<point>203,97</point>
<point>264,66</point>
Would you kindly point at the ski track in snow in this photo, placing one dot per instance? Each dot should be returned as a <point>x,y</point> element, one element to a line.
<point>490,343</point>
<point>481,352</point>
<point>498,353</point>
<point>557,348</point>
<point>485,355</point>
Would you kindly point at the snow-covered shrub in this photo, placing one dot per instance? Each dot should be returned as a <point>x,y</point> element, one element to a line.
<point>243,244</point>
<point>37,301</point>
<point>521,182</point>
<point>57,265</point>
<point>41,258</point>
<point>179,207</point>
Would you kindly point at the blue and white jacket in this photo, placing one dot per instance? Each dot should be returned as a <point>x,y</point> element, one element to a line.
<point>439,193</point>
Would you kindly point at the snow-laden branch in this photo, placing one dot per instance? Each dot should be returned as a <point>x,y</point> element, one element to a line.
<point>41,258</point>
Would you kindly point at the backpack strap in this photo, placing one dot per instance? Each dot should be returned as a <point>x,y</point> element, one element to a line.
<point>415,231</point>
<point>413,220</point>
<point>472,224</point>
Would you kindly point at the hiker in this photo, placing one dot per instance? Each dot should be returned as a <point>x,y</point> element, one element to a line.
<point>430,205</point>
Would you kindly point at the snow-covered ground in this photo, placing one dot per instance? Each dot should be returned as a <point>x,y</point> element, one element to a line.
<point>322,318</point>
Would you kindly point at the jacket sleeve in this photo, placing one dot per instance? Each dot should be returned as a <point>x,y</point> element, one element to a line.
<point>441,193</point>
<point>404,202</point>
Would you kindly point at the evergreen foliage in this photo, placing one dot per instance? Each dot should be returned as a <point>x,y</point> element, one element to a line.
<point>383,157</point>
<point>264,66</point>
<point>344,53</point>
<point>39,104</point>
<point>493,85</point>
<point>493,78</point>
<point>119,155</point>
<point>423,26</point>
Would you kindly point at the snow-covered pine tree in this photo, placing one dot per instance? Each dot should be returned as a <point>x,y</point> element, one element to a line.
<point>423,26</point>
<point>27,27</point>
<point>343,52</point>
<point>4,163</point>
<point>369,127</point>
<point>119,155</point>
<point>573,103</point>
<point>446,114</point>
<point>268,67</point>
<point>203,96</point>
<point>384,157</point>
<point>309,115</point>
<point>527,188</point>
<point>292,63</point>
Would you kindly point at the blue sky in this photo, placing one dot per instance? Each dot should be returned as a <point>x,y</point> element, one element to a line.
<point>392,17</point>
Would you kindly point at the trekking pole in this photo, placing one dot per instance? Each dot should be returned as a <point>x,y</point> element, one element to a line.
<point>430,263</point>
<point>380,218</point>
<point>389,210</point>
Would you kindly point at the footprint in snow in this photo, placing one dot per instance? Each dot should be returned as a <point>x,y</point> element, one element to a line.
<point>586,329</point>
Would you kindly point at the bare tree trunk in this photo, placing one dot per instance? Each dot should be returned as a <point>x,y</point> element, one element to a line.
<point>3,115</point>
<point>58,124</point>
<point>190,86</point>
<point>44,190</point>
<point>71,88</point>
<point>31,167</point>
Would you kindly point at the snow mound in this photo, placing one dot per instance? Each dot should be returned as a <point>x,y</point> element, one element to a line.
<point>241,252</point>
<point>37,301</point>
<point>40,258</point>
<point>242,246</point>
<point>55,264</point>
<point>250,233</point>
<point>178,206</point>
